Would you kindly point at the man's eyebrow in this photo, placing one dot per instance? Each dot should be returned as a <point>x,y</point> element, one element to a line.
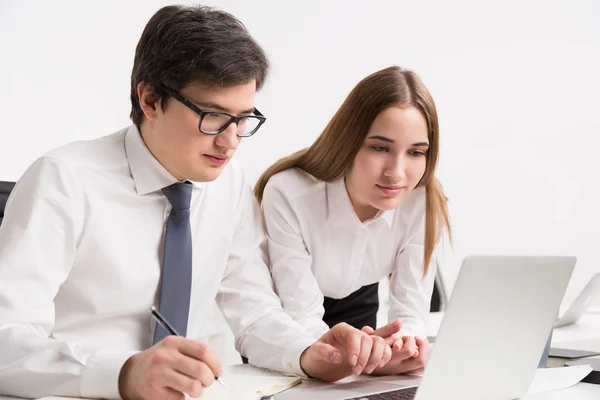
<point>211,106</point>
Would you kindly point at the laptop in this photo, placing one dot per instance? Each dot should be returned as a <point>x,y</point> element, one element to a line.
<point>588,295</point>
<point>491,339</point>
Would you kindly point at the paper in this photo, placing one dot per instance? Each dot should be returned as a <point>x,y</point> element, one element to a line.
<point>584,345</point>
<point>249,387</point>
<point>238,387</point>
<point>547,379</point>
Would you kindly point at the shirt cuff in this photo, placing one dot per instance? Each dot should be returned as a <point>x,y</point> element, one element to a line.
<point>291,356</point>
<point>100,377</point>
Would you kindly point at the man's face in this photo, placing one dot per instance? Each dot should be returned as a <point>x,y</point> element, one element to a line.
<point>173,135</point>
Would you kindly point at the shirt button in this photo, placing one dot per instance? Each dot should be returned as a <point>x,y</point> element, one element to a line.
<point>289,365</point>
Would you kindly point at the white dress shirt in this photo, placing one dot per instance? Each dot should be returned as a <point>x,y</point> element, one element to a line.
<point>318,247</point>
<point>80,255</point>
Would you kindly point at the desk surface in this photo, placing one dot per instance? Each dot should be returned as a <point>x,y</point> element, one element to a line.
<point>310,388</point>
<point>586,329</point>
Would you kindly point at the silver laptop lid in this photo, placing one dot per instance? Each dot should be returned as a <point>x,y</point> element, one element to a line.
<point>495,327</point>
<point>588,295</point>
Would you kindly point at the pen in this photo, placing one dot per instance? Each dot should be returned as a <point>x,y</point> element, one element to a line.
<point>161,320</point>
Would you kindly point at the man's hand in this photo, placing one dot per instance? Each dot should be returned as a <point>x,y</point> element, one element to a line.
<point>344,351</point>
<point>169,369</point>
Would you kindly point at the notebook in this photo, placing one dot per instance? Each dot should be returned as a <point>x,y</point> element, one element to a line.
<point>249,387</point>
<point>238,387</point>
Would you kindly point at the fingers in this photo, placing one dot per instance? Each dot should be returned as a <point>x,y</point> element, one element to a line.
<point>182,383</point>
<point>424,349</point>
<point>328,353</point>
<point>411,346</point>
<point>358,345</point>
<point>351,339</point>
<point>366,345</point>
<point>363,351</point>
<point>389,331</point>
<point>415,366</point>
<point>401,351</point>
<point>390,340</point>
<point>421,341</point>
<point>402,361</point>
<point>387,356</point>
<point>380,354</point>
<point>170,394</point>
<point>194,369</point>
<point>397,345</point>
<point>168,370</point>
<point>368,330</point>
<point>194,365</point>
<point>199,351</point>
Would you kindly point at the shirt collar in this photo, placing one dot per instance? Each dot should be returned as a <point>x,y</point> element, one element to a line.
<point>339,206</point>
<point>387,216</point>
<point>148,173</point>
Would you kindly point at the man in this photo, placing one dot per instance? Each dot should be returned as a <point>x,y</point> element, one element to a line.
<point>97,232</point>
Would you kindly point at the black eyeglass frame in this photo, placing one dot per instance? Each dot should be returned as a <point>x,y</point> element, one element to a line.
<point>232,118</point>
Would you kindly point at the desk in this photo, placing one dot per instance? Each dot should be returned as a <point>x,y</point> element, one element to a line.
<point>310,390</point>
<point>587,328</point>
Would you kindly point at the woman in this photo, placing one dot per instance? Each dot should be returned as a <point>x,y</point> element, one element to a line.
<point>360,204</point>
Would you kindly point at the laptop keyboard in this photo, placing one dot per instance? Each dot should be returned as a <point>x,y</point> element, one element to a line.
<point>400,394</point>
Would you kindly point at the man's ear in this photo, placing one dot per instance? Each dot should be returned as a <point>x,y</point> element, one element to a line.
<point>149,101</point>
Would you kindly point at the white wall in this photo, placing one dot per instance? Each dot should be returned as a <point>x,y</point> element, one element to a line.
<point>516,84</point>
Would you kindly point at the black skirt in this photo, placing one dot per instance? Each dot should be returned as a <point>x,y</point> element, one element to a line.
<point>357,309</point>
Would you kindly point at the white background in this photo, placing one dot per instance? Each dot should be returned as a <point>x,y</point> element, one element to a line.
<point>516,84</point>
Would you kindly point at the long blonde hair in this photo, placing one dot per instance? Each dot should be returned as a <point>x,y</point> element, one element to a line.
<point>331,156</point>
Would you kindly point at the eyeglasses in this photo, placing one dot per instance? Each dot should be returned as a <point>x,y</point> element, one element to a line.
<point>215,122</point>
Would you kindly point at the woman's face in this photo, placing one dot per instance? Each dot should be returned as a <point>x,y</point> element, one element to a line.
<point>390,163</point>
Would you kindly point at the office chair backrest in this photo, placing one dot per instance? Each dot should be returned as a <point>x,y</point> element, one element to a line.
<point>439,297</point>
<point>436,301</point>
<point>5,189</point>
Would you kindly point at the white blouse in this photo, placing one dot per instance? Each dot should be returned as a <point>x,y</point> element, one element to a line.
<point>318,247</point>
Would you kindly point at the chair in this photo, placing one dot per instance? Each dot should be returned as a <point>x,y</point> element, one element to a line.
<point>5,189</point>
<point>439,297</point>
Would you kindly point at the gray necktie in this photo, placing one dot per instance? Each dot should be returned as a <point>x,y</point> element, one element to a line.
<point>176,277</point>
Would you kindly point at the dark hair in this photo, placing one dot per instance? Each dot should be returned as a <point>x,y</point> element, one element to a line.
<point>184,44</point>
